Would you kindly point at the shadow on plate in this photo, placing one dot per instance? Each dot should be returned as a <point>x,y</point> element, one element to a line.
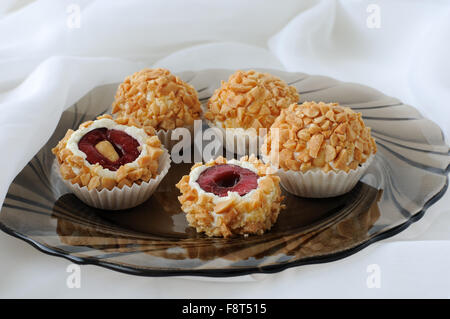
<point>310,227</point>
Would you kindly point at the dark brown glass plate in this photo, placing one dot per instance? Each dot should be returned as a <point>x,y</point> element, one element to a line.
<point>408,174</point>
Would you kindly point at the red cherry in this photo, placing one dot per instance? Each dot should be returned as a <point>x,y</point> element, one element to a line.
<point>125,146</point>
<point>224,178</point>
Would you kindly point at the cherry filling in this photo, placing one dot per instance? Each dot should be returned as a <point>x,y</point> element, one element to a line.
<point>224,178</point>
<point>125,146</point>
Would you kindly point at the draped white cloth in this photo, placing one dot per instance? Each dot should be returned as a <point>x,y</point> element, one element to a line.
<point>53,52</point>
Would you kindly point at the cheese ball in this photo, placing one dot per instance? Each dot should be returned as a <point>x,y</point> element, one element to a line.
<point>157,98</point>
<point>249,100</point>
<point>104,154</point>
<point>323,136</point>
<point>225,198</point>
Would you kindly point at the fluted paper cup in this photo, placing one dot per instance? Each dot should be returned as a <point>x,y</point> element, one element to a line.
<point>121,198</point>
<point>318,184</point>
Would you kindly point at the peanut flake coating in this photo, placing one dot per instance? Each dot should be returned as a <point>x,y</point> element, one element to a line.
<point>75,169</point>
<point>233,217</point>
<point>157,98</point>
<point>250,99</point>
<point>319,135</point>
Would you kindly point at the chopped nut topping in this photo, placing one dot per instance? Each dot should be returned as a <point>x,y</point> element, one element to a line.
<point>223,206</point>
<point>314,145</point>
<point>89,175</point>
<point>156,98</point>
<point>250,99</point>
<point>243,217</point>
<point>332,138</point>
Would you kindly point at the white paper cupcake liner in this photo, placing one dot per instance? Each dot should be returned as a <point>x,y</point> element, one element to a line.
<point>121,198</point>
<point>166,136</point>
<point>239,141</point>
<point>318,184</point>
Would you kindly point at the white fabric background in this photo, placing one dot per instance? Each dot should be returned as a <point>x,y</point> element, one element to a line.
<point>45,66</point>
